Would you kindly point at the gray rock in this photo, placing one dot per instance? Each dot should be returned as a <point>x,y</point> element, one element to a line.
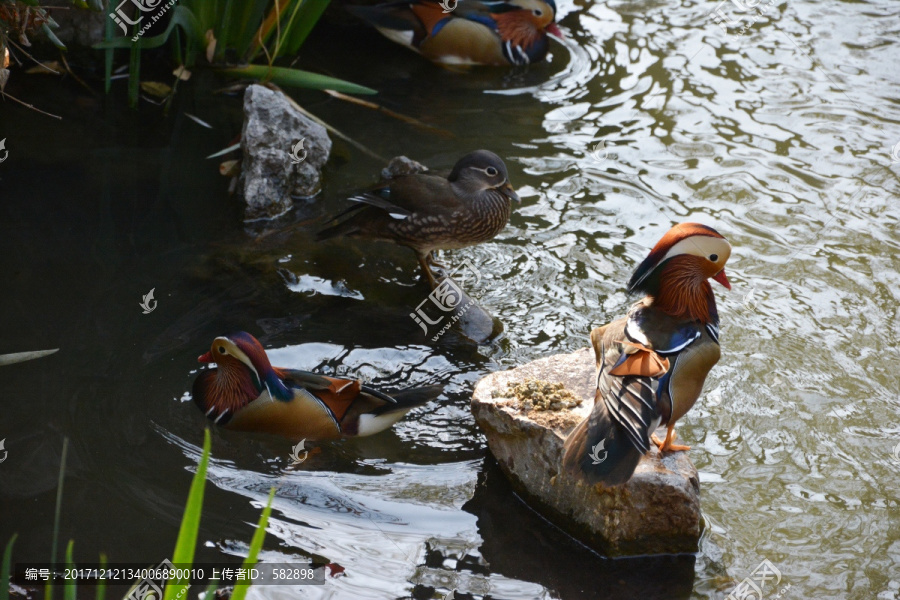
<point>401,166</point>
<point>656,512</point>
<point>269,177</point>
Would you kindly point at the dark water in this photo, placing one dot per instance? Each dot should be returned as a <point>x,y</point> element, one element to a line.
<point>781,138</point>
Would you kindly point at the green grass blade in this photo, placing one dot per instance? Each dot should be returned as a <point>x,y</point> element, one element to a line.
<point>310,11</point>
<point>183,556</point>
<point>5,568</point>
<point>240,589</point>
<point>297,78</point>
<point>101,585</point>
<point>48,589</point>
<point>69,590</point>
<point>134,75</point>
<point>108,54</point>
<point>223,41</point>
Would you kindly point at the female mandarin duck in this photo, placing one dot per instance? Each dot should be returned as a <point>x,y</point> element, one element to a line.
<point>651,364</point>
<point>427,212</point>
<point>472,32</point>
<point>247,393</point>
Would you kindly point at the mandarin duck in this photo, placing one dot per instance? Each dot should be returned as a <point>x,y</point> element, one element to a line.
<point>246,393</point>
<point>427,212</point>
<point>652,363</point>
<point>468,32</point>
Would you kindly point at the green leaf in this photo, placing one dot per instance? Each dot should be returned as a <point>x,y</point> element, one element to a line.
<point>108,54</point>
<point>52,36</point>
<point>101,584</point>
<point>69,591</point>
<point>183,554</point>
<point>310,11</point>
<point>48,589</point>
<point>297,78</point>
<point>240,589</point>
<point>5,568</point>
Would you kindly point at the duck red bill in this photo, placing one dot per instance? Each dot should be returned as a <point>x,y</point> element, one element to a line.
<point>205,358</point>
<point>553,30</point>
<point>721,278</point>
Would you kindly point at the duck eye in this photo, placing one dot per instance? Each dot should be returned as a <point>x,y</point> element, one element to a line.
<point>537,12</point>
<point>222,350</point>
<point>491,171</point>
<point>714,257</point>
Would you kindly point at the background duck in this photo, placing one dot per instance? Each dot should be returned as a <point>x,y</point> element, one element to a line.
<point>472,32</point>
<point>246,393</point>
<point>427,212</point>
<point>652,363</point>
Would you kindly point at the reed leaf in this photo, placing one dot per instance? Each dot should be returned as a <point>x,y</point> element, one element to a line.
<point>183,555</point>
<point>240,589</point>
<point>5,568</point>
<point>297,78</point>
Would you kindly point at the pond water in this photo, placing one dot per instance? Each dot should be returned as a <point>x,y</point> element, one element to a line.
<point>650,114</point>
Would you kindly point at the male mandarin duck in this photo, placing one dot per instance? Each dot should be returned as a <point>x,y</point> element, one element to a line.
<point>427,212</point>
<point>470,32</point>
<point>652,363</point>
<point>246,393</point>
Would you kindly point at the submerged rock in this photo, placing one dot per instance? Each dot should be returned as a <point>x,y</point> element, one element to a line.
<point>284,152</point>
<point>656,512</point>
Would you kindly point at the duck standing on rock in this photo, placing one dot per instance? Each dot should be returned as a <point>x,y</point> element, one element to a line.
<point>468,32</point>
<point>247,393</point>
<point>652,363</point>
<point>427,212</point>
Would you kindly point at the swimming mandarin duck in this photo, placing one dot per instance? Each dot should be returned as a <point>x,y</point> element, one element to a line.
<point>470,32</point>
<point>246,393</point>
<point>426,212</point>
<point>652,363</point>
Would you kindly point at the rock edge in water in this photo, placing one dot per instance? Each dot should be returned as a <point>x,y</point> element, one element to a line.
<point>656,512</point>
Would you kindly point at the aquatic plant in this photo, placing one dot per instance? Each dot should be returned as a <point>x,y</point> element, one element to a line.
<point>232,35</point>
<point>185,544</point>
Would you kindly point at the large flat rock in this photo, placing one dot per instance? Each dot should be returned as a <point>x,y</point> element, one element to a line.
<point>656,512</point>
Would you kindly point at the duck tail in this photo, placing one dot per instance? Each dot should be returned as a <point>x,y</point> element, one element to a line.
<point>407,399</point>
<point>599,450</point>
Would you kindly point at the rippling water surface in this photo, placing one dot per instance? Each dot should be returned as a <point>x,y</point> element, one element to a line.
<point>779,135</point>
